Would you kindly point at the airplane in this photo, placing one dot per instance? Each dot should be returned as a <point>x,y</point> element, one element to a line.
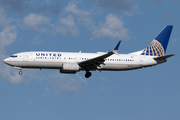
<point>73,62</point>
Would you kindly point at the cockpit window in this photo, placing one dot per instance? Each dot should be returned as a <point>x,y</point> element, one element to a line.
<point>13,56</point>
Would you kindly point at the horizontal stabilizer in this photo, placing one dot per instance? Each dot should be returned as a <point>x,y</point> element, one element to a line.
<point>164,57</point>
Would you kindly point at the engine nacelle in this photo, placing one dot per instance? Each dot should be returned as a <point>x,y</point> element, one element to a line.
<point>69,68</point>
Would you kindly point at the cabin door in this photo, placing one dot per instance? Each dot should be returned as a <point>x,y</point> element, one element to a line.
<point>25,57</point>
<point>141,61</point>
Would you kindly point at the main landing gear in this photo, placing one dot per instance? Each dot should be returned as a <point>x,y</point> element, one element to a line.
<point>88,74</point>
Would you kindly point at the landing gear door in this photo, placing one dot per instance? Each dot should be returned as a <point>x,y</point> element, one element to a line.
<point>25,57</point>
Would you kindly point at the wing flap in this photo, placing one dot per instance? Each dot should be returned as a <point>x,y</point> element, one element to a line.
<point>99,58</point>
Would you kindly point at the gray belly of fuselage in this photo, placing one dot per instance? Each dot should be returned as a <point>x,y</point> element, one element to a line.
<point>58,65</point>
<point>32,64</point>
<point>120,67</point>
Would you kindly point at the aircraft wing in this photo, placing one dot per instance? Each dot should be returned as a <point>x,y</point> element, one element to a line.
<point>94,62</point>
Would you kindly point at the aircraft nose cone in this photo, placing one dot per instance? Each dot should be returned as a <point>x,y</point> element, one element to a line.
<point>6,60</point>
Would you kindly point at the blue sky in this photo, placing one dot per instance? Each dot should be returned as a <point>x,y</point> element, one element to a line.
<point>89,26</point>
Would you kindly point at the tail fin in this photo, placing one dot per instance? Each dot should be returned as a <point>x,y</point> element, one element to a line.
<point>159,45</point>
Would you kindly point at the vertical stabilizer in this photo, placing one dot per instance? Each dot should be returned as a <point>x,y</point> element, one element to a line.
<point>159,45</point>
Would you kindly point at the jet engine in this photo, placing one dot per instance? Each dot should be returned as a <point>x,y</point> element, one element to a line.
<point>71,68</point>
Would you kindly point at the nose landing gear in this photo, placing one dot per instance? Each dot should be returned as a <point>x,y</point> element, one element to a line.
<point>20,72</point>
<point>19,68</point>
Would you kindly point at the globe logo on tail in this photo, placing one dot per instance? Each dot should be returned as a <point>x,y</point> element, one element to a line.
<point>154,49</point>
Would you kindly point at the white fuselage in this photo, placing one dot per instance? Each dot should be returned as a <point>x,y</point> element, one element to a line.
<point>55,60</point>
<point>71,62</point>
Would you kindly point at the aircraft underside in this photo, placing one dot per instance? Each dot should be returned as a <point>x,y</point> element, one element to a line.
<point>106,67</point>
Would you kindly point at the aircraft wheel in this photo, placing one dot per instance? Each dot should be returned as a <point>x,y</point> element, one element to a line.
<point>88,74</point>
<point>20,72</point>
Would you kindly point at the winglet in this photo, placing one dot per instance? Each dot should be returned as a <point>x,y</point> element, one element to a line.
<point>117,46</point>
